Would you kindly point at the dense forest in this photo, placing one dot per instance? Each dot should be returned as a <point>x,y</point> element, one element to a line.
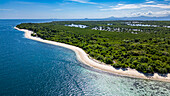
<point>144,48</point>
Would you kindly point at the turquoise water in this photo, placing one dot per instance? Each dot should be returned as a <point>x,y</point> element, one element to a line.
<point>31,68</point>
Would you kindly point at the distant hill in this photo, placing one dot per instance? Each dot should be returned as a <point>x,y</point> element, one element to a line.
<point>139,18</point>
<point>167,18</point>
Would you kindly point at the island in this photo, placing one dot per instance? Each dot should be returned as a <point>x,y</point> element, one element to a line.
<point>139,49</point>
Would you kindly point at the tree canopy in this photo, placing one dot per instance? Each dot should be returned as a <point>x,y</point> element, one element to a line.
<point>148,50</point>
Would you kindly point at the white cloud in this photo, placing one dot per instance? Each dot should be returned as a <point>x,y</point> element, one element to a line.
<point>99,6</point>
<point>164,6</point>
<point>119,4</point>
<point>83,1</point>
<point>151,13</point>
<point>127,6</point>
<point>150,2</point>
<point>136,6</point>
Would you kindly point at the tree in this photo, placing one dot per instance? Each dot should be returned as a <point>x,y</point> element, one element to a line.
<point>108,61</point>
<point>100,57</point>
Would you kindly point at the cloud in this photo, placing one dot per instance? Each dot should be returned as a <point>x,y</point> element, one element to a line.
<point>136,6</point>
<point>6,9</point>
<point>122,6</point>
<point>119,4</point>
<point>83,1</point>
<point>99,6</point>
<point>150,2</point>
<point>151,13</point>
<point>164,6</point>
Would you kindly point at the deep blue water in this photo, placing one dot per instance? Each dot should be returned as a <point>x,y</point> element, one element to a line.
<point>31,68</point>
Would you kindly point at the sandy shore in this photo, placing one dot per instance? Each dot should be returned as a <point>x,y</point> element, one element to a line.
<point>83,57</point>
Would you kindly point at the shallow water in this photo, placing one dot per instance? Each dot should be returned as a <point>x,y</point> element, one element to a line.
<point>31,68</point>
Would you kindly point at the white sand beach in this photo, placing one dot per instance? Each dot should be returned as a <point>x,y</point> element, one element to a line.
<point>83,57</point>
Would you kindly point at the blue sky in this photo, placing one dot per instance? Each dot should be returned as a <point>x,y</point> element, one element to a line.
<point>74,9</point>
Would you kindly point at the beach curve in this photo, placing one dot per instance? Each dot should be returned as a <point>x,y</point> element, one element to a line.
<point>84,58</point>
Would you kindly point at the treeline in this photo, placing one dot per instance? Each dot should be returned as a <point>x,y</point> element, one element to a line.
<point>121,26</point>
<point>144,52</point>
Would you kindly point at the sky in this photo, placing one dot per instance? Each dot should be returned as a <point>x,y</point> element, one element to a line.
<point>78,9</point>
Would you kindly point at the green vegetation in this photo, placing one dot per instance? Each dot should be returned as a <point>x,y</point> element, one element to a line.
<point>147,51</point>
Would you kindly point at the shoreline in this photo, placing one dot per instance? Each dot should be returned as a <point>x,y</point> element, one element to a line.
<point>83,57</point>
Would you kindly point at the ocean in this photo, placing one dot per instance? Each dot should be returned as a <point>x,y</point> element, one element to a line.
<point>32,68</point>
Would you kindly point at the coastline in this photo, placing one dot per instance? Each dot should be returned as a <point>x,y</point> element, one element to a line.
<point>83,57</point>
